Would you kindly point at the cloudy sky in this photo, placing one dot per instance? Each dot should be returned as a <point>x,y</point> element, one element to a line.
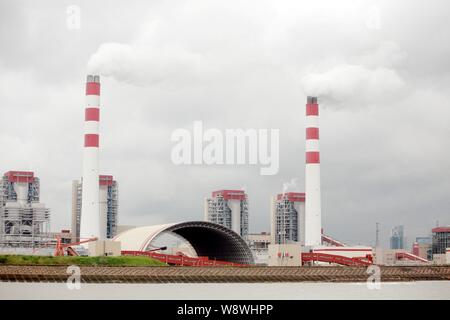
<point>381,70</point>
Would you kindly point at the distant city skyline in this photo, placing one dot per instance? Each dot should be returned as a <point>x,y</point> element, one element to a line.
<point>397,239</point>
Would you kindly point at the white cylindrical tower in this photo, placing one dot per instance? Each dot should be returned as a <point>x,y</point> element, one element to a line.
<point>21,189</point>
<point>235,207</point>
<point>313,223</point>
<point>91,221</point>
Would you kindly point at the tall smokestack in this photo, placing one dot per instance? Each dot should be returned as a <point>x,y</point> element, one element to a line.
<point>313,223</point>
<point>90,208</point>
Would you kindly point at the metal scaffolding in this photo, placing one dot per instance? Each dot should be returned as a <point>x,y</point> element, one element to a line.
<point>286,222</point>
<point>288,218</point>
<point>219,210</point>
<point>112,213</point>
<point>24,223</point>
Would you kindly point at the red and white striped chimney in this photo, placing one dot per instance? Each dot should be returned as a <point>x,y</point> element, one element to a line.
<point>313,223</point>
<point>90,208</point>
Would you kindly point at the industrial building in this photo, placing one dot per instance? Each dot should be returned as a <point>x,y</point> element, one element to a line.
<point>296,236</point>
<point>259,241</point>
<point>228,208</point>
<point>109,204</point>
<point>391,257</point>
<point>422,247</point>
<point>296,225</point>
<point>441,240</point>
<point>259,245</point>
<point>24,220</point>
<point>397,240</point>
<point>288,218</point>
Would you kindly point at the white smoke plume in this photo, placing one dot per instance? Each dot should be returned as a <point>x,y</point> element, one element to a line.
<point>346,83</point>
<point>138,64</point>
<point>291,186</point>
<point>370,79</point>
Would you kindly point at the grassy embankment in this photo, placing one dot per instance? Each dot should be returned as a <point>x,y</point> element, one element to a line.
<point>81,261</point>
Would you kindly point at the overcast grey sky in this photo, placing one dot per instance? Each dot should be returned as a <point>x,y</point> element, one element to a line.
<point>381,70</point>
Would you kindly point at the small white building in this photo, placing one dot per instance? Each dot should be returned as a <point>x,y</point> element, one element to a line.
<point>259,245</point>
<point>285,255</point>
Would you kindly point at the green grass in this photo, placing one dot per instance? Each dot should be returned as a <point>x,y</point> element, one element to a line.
<point>82,261</point>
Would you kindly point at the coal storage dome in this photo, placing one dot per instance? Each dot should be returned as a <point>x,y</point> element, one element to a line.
<point>206,238</point>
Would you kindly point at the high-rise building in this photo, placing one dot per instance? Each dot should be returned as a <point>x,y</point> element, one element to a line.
<point>108,206</point>
<point>441,239</point>
<point>397,239</point>
<point>24,221</point>
<point>228,208</point>
<point>288,218</point>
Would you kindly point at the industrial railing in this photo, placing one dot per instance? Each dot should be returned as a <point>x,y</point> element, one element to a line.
<point>180,260</point>
<point>331,241</point>
<point>332,258</point>
<point>409,256</point>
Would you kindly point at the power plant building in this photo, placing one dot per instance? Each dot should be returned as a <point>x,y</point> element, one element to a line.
<point>108,206</point>
<point>288,218</point>
<point>441,240</point>
<point>24,221</point>
<point>229,208</point>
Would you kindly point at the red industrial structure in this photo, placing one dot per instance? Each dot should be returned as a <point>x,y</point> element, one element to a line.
<point>106,180</point>
<point>230,194</point>
<point>337,259</point>
<point>182,260</point>
<point>333,242</point>
<point>20,176</point>
<point>403,255</point>
<point>61,247</point>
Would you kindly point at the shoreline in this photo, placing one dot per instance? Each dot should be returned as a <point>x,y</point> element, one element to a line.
<point>422,290</point>
<point>168,274</point>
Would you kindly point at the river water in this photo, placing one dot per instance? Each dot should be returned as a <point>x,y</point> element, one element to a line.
<point>226,291</point>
